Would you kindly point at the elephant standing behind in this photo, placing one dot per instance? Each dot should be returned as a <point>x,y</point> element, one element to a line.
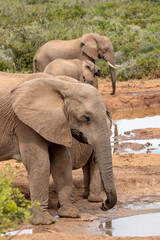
<point>84,71</point>
<point>90,46</point>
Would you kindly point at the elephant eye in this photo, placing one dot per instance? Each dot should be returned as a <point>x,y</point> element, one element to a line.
<point>86,118</point>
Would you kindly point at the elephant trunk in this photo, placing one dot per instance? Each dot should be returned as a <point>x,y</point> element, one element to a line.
<point>104,159</point>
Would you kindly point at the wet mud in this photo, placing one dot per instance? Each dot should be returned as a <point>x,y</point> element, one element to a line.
<point>137,176</point>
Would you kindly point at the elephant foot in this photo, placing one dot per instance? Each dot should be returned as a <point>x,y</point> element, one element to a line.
<point>43,218</point>
<point>50,203</point>
<point>85,194</point>
<point>94,198</point>
<point>69,211</point>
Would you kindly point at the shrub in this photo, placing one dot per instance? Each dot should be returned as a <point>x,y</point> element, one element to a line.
<point>14,208</point>
<point>3,65</point>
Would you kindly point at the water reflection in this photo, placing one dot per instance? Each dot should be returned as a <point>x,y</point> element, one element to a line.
<point>135,226</point>
<point>135,135</point>
<point>27,230</point>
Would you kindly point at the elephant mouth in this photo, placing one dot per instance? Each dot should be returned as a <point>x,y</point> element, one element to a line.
<point>98,73</point>
<point>78,136</point>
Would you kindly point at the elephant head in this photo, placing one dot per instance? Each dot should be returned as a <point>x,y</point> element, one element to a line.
<point>89,73</point>
<point>96,46</point>
<point>59,107</point>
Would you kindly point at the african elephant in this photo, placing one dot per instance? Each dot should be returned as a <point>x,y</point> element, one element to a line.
<point>90,46</point>
<point>83,71</point>
<point>39,114</point>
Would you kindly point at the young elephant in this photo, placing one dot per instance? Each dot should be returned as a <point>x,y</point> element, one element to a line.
<point>83,71</point>
<point>38,116</point>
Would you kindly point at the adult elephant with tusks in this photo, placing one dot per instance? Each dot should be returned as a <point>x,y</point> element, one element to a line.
<point>39,114</point>
<point>90,46</point>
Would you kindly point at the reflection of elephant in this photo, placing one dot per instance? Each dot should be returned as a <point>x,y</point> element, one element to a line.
<point>38,117</point>
<point>90,46</point>
<point>84,71</point>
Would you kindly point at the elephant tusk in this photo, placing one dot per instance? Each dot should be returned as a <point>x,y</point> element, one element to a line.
<point>117,66</point>
<point>110,64</point>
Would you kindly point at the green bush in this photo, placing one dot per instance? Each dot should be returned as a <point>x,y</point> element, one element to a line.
<point>3,65</point>
<point>133,27</point>
<point>14,208</point>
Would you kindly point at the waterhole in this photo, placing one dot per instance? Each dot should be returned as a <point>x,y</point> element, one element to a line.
<point>136,132</point>
<point>134,226</point>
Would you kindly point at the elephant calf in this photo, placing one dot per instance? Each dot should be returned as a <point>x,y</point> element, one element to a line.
<point>83,71</point>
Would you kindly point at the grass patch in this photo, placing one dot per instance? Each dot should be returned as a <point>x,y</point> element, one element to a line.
<point>133,27</point>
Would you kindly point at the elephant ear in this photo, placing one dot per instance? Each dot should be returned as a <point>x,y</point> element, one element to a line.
<point>89,47</point>
<point>87,72</point>
<point>39,104</point>
<point>108,118</point>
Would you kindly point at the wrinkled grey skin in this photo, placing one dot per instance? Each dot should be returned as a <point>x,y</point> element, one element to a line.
<point>38,116</point>
<point>84,71</point>
<point>90,46</point>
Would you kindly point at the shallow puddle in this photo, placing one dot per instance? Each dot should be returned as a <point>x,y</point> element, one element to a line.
<point>14,233</point>
<point>136,132</point>
<point>28,230</point>
<point>135,226</point>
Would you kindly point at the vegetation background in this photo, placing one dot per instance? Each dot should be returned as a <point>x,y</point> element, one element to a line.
<point>132,25</point>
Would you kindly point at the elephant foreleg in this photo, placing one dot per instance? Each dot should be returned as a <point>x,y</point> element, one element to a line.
<point>61,169</point>
<point>34,153</point>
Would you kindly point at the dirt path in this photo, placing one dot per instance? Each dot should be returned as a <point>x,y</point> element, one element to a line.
<point>137,177</point>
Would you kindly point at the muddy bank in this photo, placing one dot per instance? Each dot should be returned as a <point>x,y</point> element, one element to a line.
<point>137,181</point>
<point>137,176</point>
<point>131,94</point>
